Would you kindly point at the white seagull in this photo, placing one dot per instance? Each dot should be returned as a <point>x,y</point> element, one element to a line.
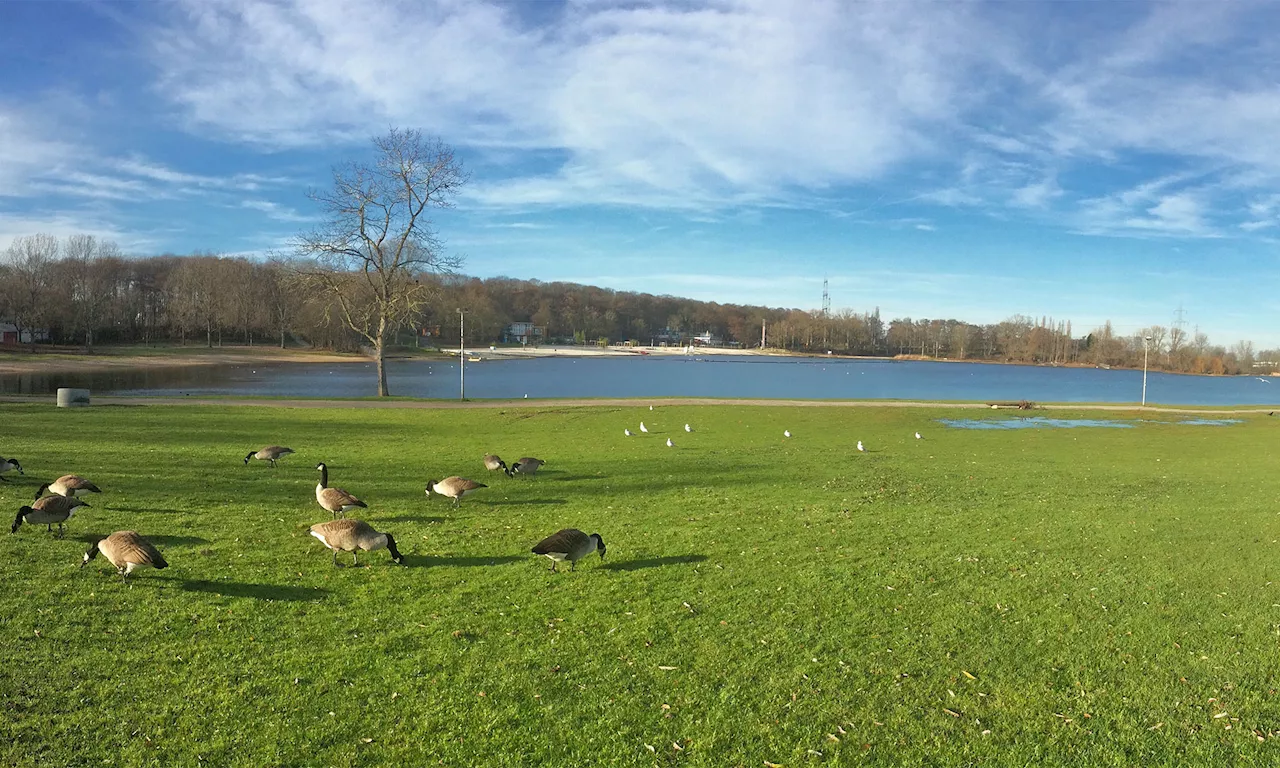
<point>643,428</point>
<point>670,444</point>
<point>651,407</point>
<point>918,436</point>
<point>688,428</point>
<point>786,433</point>
<point>626,432</point>
<point>860,448</point>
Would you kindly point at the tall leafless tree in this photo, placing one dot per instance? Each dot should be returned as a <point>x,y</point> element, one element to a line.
<point>378,238</point>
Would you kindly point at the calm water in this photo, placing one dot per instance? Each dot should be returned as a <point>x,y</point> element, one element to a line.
<point>653,376</point>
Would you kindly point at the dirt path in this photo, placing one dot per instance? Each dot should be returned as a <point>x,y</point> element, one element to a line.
<point>623,403</point>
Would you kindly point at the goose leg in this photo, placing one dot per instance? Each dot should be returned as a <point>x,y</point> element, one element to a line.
<point>335,559</point>
<point>355,557</point>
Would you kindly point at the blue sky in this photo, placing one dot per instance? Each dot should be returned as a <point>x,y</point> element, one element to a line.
<point>1086,161</point>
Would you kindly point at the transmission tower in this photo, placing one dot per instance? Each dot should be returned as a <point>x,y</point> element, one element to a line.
<point>1178,322</point>
<point>826,299</point>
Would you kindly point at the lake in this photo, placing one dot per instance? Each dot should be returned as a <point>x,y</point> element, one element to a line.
<point>661,376</point>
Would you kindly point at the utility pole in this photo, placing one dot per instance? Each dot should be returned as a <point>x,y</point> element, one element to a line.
<point>762,329</point>
<point>462,354</point>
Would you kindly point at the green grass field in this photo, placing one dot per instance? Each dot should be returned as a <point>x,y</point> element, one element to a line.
<point>1038,597</point>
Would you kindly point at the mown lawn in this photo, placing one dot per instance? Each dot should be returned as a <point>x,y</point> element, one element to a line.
<point>1074,596</point>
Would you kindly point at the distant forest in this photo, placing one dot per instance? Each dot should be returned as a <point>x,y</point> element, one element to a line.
<point>82,291</point>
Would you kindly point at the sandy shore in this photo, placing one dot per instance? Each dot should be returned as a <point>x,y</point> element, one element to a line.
<point>59,362</point>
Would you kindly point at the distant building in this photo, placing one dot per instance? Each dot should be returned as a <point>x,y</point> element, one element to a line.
<point>707,339</point>
<point>9,334</point>
<point>523,333</point>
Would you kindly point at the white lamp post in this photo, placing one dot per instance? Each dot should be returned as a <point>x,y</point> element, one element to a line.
<point>1146,347</point>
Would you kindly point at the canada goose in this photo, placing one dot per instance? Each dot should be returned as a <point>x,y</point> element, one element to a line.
<point>688,428</point>
<point>270,453</point>
<point>49,510</point>
<point>71,485</point>
<point>570,544</point>
<point>8,465</point>
<point>454,487</point>
<point>335,500</point>
<point>626,432</point>
<point>643,428</point>
<point>492,462</point>
<point>670,444</point>
<point>126,550</point>
<point>526,466</point>
<point>353,536</point>
<point>786,433</point>
<point>860,448</point>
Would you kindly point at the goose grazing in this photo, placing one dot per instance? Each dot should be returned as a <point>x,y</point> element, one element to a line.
<point>688,428</point>
<point>337,501</point>
<point>860,448</point>
<point>526,466</point>
<point>71,485</point>
<point>492,462</point>
<point>786,433</point>
<point>570,544</point>
<point>8,465</point>
<point>670,444</point>
<point>126,550</point>
<point>270,453</point>
<point>626,432</point>
<point>352,536</point>
<point>49,510</point>
<point>643,428</point>
<point>454,487</point>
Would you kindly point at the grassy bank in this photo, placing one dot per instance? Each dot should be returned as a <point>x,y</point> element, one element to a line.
<point>1093,596</point>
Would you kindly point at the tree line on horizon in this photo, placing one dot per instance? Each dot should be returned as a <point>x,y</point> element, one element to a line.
<point>84,291</point>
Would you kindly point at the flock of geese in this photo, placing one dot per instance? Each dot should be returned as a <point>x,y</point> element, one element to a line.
<point>129,550</point>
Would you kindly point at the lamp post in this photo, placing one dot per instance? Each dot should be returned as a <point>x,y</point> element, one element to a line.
<point>1146,348</point>
<point>462,354</point>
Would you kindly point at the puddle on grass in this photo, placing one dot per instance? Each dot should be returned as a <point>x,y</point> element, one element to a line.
<point>1042,422</point>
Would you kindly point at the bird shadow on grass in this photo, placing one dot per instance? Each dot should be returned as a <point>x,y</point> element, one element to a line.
<point>280,592</point>
<point>524,502</point>
<point>175,541</point>
<point>653,562</point>
<point>143,510</point>
<point>411,519</point>
<point>428,561</point>
<point>561,476</point>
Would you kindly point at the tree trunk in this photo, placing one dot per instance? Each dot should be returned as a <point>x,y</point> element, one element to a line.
<point>282,337</point>
<point>379,351</point>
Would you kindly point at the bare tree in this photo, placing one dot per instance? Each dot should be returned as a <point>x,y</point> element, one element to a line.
<point>26,290</point>
<point>379,239</point>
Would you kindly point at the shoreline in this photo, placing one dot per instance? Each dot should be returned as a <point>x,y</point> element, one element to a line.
<point>423,404</point>
<point>68,360</point>
<point>58,361</point>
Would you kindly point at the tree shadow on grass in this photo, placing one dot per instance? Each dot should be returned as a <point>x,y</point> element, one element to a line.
<point>280,592</point>
<point>428,561</point>
<point>143,510</point>
<point>523,502</point>
<point>653,562</point>
<point>411,519</point>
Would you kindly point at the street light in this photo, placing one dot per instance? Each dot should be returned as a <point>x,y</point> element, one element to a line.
<point>1146,347</point>
<point>462,354</point>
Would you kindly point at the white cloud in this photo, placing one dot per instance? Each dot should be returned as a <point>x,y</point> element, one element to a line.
<point>679,106</point>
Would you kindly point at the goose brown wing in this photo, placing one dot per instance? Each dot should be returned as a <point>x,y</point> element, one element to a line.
<point>342,534</point>
<point>76,483</point>
<point>130,547</point>
<point>561,542</point>
<point>337,498</point>
<point>462,484</point>
<point>56,505</point>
